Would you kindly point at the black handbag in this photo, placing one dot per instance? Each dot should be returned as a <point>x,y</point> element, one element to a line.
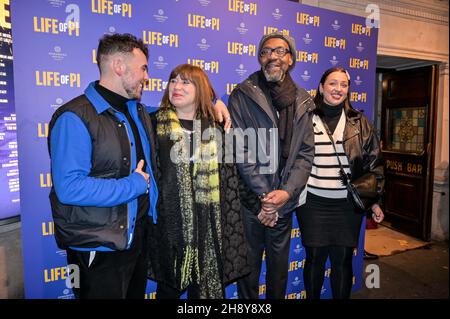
<point>362,192</point>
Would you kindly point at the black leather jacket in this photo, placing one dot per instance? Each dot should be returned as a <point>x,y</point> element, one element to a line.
<point>362,148</point>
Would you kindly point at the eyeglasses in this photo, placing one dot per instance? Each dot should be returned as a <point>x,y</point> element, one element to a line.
<point>279,51</point>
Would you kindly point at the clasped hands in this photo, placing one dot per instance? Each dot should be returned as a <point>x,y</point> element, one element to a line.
<point>270,204</point>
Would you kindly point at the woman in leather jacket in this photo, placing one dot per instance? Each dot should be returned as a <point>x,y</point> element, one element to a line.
<point>329,222</point>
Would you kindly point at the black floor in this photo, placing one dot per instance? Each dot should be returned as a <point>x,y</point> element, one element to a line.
<point>415,274</point>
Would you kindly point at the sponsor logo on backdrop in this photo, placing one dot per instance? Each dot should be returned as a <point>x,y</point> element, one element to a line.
<point>56,3</point>
<point>334,61</point>
<point>305,76</point>
<point>241,70</point>
<point>358,97</point>
<point>238,48</point>
<point>235,295</point>
<point>55,26</point>
<point>307,57</point>
<point>106,7</point>
<point>202,22</point>
<point>160,16</point>
<point>307,39</point>
<point>204,3</point>
<point>160,39</point>
<point>243,7</point>
<point>307,19</point>
<point>160,64</point>
<point>335,25</point>
<point>296,281</point>
<point>276,14</point>
<point>61,253</point>
<point>203,45</point>
<point>57,104</point>
<point>155,85</point>
<point>207,66</point>
<point>358,80</point>
<point>241,28</point>
<point>360,47</point>
<point>355,63</point>
<point>66,295</point>
<point>332,42</point>
<point>270,29</point>
<point>56,54</point>
<point>360,29</point>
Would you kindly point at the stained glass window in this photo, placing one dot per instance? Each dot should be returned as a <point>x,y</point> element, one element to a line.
<point>406,129</point>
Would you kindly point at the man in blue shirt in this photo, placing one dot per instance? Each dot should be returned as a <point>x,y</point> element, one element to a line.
<point>104,191</point>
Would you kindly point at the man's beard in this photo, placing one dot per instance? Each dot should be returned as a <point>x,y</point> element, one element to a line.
<point>134,91</point>
<point>274,76</point>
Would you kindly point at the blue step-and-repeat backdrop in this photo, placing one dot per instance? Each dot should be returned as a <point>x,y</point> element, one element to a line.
<point>54,60</point>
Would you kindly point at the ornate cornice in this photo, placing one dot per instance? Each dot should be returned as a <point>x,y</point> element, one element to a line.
<point>432,11</point>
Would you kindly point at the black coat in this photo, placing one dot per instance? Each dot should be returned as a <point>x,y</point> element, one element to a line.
<point>251,109</point>
<point>165,238</point>
<point>362,147</point>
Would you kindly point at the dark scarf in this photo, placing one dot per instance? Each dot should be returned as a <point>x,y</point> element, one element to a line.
<point>283,94</point>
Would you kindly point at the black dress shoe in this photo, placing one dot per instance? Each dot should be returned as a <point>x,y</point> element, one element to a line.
<point>368,255</point>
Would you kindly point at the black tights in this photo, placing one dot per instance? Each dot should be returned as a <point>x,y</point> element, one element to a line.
<point>341,271</point>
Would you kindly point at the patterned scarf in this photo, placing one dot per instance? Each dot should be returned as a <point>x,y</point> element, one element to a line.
<point>199,202</point>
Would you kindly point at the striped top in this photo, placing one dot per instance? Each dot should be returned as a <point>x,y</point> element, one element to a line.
<point>324,179</point>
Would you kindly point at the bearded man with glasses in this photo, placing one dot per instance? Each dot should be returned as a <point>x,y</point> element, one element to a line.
<point>273,178</point>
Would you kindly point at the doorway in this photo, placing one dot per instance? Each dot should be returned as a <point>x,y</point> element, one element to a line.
<point>407,133</point>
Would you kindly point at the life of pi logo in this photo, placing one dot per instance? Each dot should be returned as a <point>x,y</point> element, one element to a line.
<point>211,66</point>
<point>155,85</point>
<point>269,29</point>
<point>110,8</point>
<point>71,26</point>
<point>360,29</point>
<point>243,7</point>
<point>332,42</point>
<point>56,79</point>
<point>358,97</point>
<point>230,87</point>
<point>238,48</point>
<point>159,39</point>
<point>5,14</point>
<point>355,63</point>
<point>303,56</point>
<point>307,19</point>
<point>202,22</point>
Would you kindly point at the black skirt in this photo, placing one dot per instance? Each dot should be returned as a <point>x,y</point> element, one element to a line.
<point>328,222</point>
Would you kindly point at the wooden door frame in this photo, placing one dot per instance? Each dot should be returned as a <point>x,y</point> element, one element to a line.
<point>430,136</point>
